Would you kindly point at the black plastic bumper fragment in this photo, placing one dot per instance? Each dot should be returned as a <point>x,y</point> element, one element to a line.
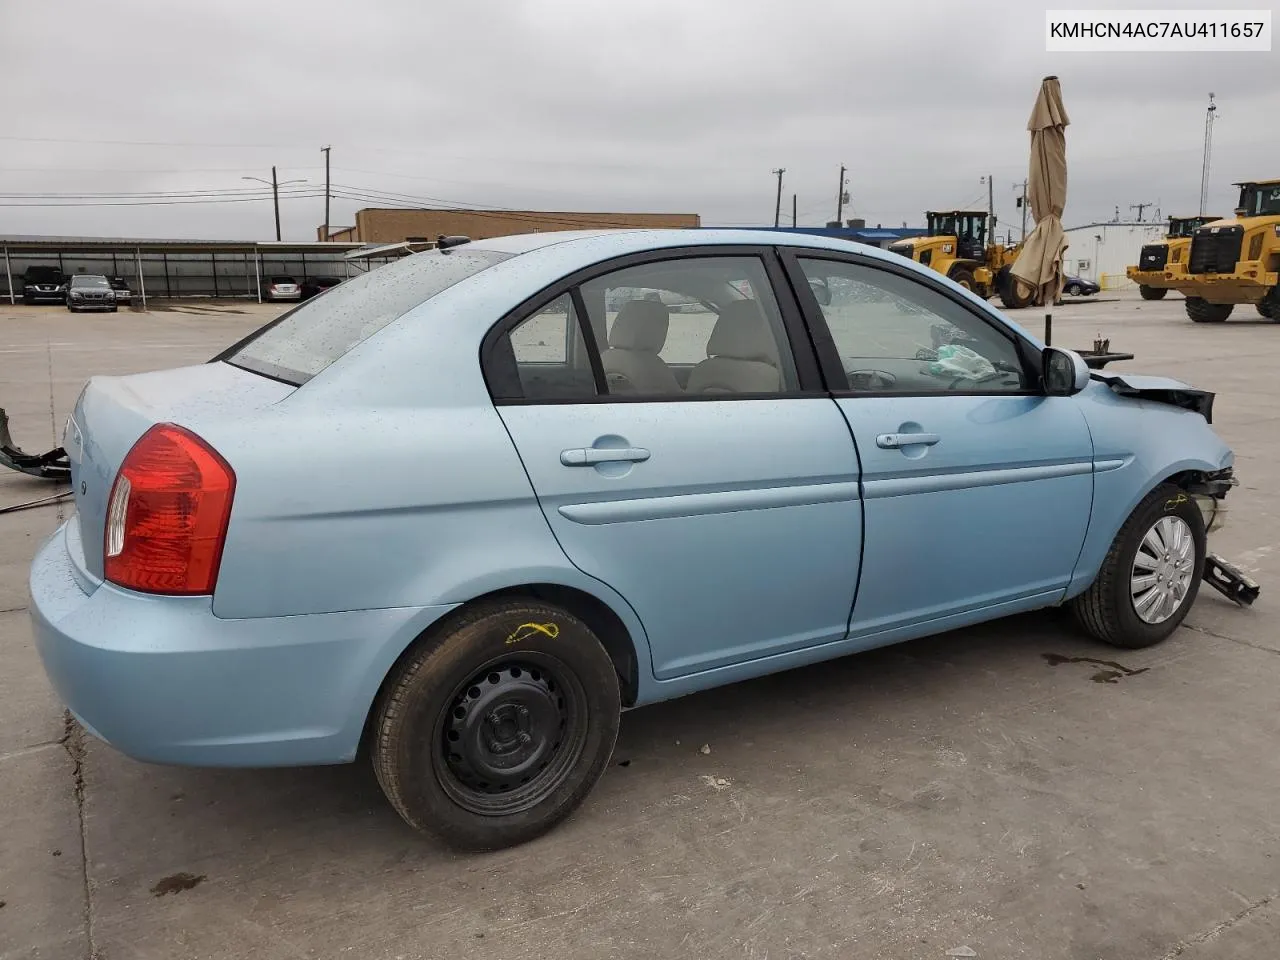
<point>48,466</point>
<point>1230,581</point>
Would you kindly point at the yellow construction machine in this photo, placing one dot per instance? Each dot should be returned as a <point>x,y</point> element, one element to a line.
<point>955,245</point>
<point>1237,260</point>
<point>1157,262</point>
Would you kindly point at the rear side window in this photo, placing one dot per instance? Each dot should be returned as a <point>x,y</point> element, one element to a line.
<point>305,340</point>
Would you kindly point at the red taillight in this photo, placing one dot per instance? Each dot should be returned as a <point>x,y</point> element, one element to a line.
<point>167,516</point>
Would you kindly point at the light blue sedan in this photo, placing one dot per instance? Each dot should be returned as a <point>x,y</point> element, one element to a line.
<point>465,508</point>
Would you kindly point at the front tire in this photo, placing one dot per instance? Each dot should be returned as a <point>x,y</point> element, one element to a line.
<point>1151,293</point>
<point>494,730</point>
<point>1151,574</point>
<point>1202,311</point>
<point>962,276</point>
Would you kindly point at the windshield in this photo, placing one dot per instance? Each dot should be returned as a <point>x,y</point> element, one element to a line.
<point>89,282</point>
<point>1258,200</point>
<point>941,224</point>
<point>307,339</point>
<point>1187,226</point>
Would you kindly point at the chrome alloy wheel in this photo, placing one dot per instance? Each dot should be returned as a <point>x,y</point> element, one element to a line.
<point>1162,569</point>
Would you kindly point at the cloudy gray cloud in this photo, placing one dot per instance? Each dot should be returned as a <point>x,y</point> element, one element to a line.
<point>583,104</point>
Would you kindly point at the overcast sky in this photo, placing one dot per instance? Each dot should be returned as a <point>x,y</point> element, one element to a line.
<point>646,105</point>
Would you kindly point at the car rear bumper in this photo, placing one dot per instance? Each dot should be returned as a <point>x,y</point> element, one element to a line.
<point>162,679</point>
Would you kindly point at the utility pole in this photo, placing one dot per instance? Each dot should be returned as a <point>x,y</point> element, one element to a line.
<point>793,211</point>
<point>1140,207</point>
<point>841,196</point>
<point>1022,202</point>
<point>325,151</point>
<point>275,197</point>
<point>991,208</point>
<point>1209,117</point>
<point>777,204</point>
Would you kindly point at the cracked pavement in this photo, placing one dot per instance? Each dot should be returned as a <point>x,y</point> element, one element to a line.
<point>982,789</point>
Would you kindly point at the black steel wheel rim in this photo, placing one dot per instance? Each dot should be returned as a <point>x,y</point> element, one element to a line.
<point>507,738</point>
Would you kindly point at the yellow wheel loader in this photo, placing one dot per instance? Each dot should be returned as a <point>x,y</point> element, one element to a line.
<point>1159,262</point>
<point>1236,261</point>
<point>955,245</point>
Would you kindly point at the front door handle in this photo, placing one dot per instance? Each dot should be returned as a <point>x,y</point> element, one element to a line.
<point>590,456</point>
<point>892,441</point>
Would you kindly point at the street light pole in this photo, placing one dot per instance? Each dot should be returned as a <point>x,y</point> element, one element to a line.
<point>777,204</point>
<point>275,193</point>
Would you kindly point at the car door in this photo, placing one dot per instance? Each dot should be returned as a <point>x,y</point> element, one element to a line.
<point>692,461</point>
<point>977,487</point>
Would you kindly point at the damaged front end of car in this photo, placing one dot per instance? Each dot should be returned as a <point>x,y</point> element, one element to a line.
<point>1161,390</point>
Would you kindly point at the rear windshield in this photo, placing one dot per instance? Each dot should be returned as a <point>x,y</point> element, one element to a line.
<point>282,279</point>
<point>307,339</point>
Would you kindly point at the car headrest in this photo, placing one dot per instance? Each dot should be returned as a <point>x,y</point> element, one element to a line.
<point>743,333</point>
<point>640,325</point>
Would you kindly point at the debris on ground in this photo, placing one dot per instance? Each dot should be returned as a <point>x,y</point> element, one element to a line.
<point>716,783</point>
<point>704,749</point>
<point>961,952</point>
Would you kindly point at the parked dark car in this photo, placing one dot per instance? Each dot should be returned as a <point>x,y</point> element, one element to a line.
<point>44,285</point>
<point>314,286</point>
<point>282,288</point>
<point>89,292</point>
<point>121,287</point>
<point>1080,287</point>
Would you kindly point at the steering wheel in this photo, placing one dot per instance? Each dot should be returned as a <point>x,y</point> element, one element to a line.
<point>871,379</point>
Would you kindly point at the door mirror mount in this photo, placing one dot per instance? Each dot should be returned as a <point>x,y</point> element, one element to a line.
<point>1063,372</point>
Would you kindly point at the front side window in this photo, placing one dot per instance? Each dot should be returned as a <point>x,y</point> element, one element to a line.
<point>894,334</point>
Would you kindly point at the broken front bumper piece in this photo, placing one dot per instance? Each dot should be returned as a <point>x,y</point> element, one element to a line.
<point>48,466</point>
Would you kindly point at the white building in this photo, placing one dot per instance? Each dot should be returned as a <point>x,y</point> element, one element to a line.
<point>1101,251</point>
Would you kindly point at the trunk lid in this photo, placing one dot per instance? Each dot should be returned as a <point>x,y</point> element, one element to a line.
<point>113,412</point>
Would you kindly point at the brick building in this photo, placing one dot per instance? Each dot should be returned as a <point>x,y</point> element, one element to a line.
<point>392,225</point>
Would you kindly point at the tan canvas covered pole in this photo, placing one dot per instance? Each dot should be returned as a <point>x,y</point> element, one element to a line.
<point>1039,263</point>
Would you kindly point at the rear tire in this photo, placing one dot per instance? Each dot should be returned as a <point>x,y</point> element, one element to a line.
<point>1112,609</point>
<point>494,730</point>
<point>1202,311</point>
<point>1152,293</point>
<point>1015,294</point>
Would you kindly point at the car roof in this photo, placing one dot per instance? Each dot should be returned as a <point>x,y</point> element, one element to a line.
<point>593,245</point>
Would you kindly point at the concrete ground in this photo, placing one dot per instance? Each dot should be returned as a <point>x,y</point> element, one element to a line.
<point>1008,791</point>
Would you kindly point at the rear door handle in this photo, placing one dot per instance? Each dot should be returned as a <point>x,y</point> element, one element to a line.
<point>892,441</point>
<point>590,456</point>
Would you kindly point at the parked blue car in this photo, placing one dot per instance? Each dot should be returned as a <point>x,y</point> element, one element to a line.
<point>463,509</point>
